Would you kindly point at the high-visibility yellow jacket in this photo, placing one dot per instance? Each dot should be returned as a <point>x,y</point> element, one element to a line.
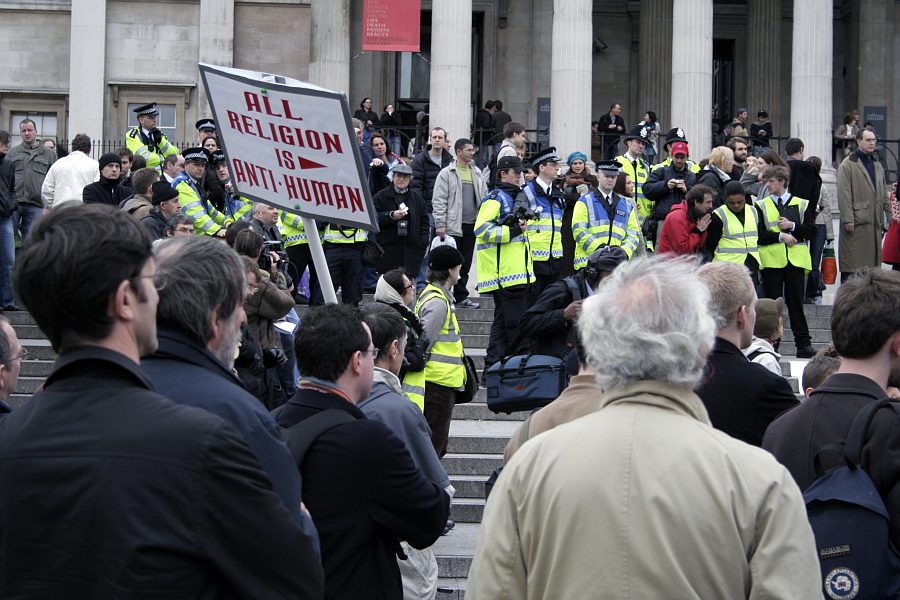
<point>338,234</point>
<point>140,145</point>
<point>292,231</point>
<point>207,220</point>
<point>445,361</point>
<point>592,227</point>
<point>638,171</point>
<point>738,239</point>
<point>779,254</point>
<point>545,232</point>
<point>503,260</point>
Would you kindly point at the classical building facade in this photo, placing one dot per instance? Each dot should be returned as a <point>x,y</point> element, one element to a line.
<point>79,65</point>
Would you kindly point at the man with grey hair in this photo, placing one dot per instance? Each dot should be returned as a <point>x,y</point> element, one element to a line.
<point>11,356</point>
<point>199,317</point>
<point>741,397</point>
<point>675,508</point>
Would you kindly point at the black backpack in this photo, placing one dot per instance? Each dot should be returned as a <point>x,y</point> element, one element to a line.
<point>851,524</point>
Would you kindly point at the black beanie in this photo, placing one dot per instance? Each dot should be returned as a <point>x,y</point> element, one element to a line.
<point>444,258</point>
<point>162,191</point>
<point>109,158</point>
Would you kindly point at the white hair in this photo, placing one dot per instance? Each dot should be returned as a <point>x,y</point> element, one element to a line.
<point>649,320</point>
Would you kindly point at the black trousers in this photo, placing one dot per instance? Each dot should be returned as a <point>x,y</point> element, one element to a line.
<point>546,273</point>
<point>346,268</point>
<point>509,306</point>
<point>301,257</point>
<point>439,403</point>
<point>789,282</point>
<point>466,247</point>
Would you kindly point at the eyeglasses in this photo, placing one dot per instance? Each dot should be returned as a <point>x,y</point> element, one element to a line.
<point>410,286</point>
<point>251,289</point>
<point>159,282</point>
<point>373,352</point>
<point>22,355</point>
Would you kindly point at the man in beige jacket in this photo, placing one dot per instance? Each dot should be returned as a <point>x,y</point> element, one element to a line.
<point>643,498</point>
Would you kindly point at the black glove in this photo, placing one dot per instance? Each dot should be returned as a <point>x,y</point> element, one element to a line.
<point>157,136</point>
<point>273,357</point>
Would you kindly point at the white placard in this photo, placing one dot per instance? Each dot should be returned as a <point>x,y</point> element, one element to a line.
<point>290,144</point>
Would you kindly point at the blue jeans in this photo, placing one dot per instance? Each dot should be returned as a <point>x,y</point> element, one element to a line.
<point>7,259</point>
<point>25,215</point>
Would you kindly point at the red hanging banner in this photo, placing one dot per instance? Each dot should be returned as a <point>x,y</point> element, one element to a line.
<point>391,25</point>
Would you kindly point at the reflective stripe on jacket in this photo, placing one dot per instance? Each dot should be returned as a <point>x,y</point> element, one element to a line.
<point>738,239</point>
<point>503,261</point>
<point>592,228</point>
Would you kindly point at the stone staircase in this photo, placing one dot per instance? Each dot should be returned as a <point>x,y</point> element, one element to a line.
<point>478,437</point>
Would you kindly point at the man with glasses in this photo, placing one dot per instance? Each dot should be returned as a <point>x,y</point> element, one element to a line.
<point>11,356</point>
<point>109,487</point>
<point>863,201</point>
<point>359,480</point>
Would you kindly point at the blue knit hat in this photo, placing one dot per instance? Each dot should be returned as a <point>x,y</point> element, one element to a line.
<point>576,156</point>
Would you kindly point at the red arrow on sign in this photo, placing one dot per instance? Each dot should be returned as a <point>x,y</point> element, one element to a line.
<point>305,163</point>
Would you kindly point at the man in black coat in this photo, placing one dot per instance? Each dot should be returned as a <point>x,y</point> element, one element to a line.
<point>549,323</point>
<point>194,364</point>
<point>611,126</point>
<point>805,181</point>
<point>428,163</point>
<point>107,190</point>
<point>741,397</point>
<point>358,477</point>
<point>868,341</point>
<point>165,204</point>
<point>403,222</point>
<point>110,489</point>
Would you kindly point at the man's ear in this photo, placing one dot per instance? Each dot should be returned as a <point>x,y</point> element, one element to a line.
<point>121,303</point>
<point>214,325</point>
<point>894,342</point>
<point>741,317</point>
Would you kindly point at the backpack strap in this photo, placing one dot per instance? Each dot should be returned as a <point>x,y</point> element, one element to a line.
<point>300,436</point>
<point>856,438</point>
<point>573,287</point>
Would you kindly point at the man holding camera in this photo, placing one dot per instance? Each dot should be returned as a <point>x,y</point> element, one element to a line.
<point>147,140</point>
<point>505,268</point>
<point>666,187</point>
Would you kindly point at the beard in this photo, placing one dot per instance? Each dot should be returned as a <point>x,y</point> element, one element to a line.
<point>227,351</point>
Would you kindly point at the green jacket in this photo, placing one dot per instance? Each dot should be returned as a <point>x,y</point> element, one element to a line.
<point>32,165</point>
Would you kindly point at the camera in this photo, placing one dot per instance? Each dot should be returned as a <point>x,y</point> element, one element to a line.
<point>265,260</point>
<point>521,213</point>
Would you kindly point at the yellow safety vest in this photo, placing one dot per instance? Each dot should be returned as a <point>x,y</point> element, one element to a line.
<point>639,177</point>
<point>207,220</point>
<point>336,234</point>
<point>738,239</point>
<point>545,232</point>
<point>292,231</point>
<point>502,261</point>
<point>445,361</point>
<point>778,255</point>
<point>152,154</point>
<point>592,228</point>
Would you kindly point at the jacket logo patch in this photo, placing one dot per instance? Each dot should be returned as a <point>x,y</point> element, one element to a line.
<point>841,584</point>
<point>620,212</point>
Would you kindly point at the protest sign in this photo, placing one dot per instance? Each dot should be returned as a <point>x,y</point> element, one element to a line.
<point>290,144</point>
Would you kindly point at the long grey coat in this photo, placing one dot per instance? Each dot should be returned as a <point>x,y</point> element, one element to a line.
<point>864,205</point>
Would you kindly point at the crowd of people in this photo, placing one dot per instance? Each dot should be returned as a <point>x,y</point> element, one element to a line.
<point>188,385</point>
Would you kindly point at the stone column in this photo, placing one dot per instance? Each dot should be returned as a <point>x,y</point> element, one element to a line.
<point>329,50</point>
<point>216,42</point>
<point>875,18</point>
<point>450,94</point>
<point>692,53</point>
<point>655,90</point>
<point>811,100</point>
<point>570,79</point>
<point>87,73</point>
<point>764,61</point>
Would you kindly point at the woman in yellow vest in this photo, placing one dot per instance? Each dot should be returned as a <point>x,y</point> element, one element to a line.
<point>444,373</point>
<point>733,232</point>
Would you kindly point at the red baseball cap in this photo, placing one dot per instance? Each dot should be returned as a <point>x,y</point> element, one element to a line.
<point>680,148</point>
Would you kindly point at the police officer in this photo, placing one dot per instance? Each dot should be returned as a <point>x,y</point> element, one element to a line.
<point>603,218</point>
<point>192,196</point>
<point>206,128</point>
<point>296,244</point>
<point>146,140</point>
<point>632,163</point>
<point>505,267</point>
<point>546,201</point>
<point>343,252</point>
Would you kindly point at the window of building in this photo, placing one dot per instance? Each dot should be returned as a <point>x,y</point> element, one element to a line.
<point>167,122</point>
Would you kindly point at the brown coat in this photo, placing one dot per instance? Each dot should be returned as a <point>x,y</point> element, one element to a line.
<point>582,397</point>
<point>263,308</point>
<point>864,205</point>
